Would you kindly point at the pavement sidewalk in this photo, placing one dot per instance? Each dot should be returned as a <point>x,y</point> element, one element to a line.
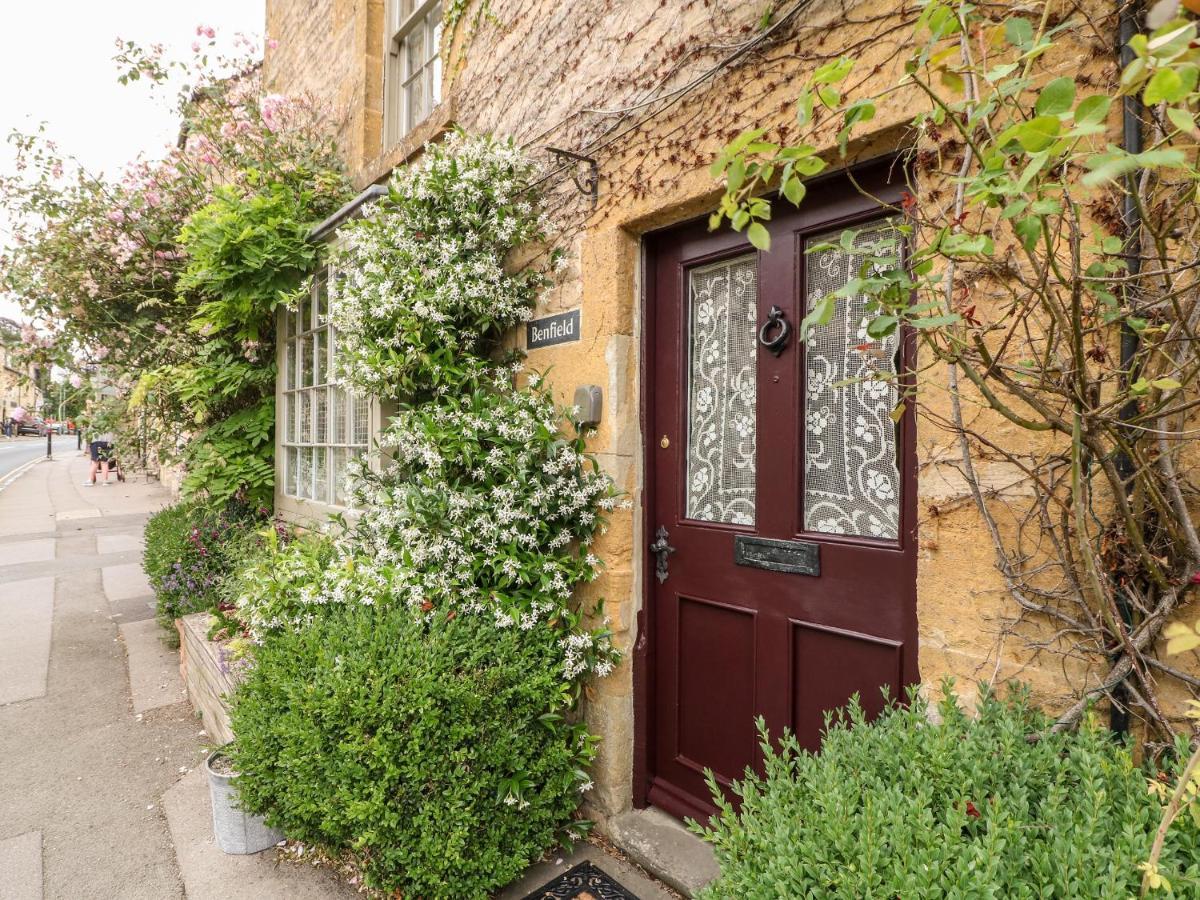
<point>102,794</point>
<point>100,791</point>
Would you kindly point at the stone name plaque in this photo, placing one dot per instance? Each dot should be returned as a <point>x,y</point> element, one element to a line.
<point>560,329</point>
<point>793,557</point>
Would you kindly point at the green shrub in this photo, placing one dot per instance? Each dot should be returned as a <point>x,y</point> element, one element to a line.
<point>962,808</point>
<point>433,748</point>
<point>279,584</point>
<point>191,550</point>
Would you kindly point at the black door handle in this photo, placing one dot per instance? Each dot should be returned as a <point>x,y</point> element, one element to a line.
<point>661,549</point>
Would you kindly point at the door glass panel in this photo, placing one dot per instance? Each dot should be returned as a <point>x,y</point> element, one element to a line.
<point>851,474</point>
<point>722,313</point>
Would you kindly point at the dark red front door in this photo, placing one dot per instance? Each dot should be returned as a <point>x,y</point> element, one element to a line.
<point>782,482</point>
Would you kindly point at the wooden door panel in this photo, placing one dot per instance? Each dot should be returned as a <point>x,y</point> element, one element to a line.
<point>715,686</point>
<point>829,665</point>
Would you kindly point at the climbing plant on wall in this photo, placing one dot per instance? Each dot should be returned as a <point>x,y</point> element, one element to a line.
<point>1052,288</point>
<point>451,591</point>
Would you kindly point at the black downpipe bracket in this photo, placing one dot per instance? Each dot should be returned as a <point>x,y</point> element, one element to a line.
<point>1128,15</point>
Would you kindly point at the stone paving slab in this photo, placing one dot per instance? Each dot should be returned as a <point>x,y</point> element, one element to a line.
<point>124,582</point>
<point>135,609</point>
<point>18,552</point>
<point>64,564</point>
<point>209,874</point>
<point>24,512</point>
<point>26,616</point>
<point>70,515</point>
<point>117,543</point>
<point>153,668</point>
<point>21,867</point>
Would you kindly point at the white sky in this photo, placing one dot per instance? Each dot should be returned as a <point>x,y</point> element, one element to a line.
<point>56,66</point>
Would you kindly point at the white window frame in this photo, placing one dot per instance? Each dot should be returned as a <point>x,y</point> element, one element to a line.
<point>400,115</point>
<point>298,329</point>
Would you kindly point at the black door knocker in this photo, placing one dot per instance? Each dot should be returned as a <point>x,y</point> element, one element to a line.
<point>778,342</point>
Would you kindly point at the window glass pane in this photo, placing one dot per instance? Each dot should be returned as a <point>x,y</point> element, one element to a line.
<point>289,323</point>
<point>337,416</point>
<point>361,421</point>
<point>320,476</point>
<point>321,416</point>
<point>722,364</point>
<point>289,418</point>
<point>306,313</point>
<point>305,363</point>
<point>321,289</point>
<point>290,480</point>
<point>414,50</point>
<point>436,89</point>
<point>414,93</point>
<point>321,343</point>
<point>851,472</point>
<point>289,364</point>
<point>305,434</point>
<point>430,95</point>
<point>304,472</point>
<point>337,473</point>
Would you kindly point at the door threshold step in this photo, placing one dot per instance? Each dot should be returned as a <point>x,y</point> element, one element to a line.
<point>664,847</point>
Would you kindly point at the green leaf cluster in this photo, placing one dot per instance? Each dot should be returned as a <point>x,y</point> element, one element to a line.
<point>415,691</point>
<point>246,254</point>
<point>918,804</point>
<point>433,750</point>
<point>234,458</point>
<point>276,586</point>
<point>192,550</point>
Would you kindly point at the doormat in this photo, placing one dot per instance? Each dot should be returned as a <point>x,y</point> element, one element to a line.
<point>582,882</point>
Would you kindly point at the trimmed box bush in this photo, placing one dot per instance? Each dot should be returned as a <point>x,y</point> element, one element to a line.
<point>964,807</point>
<point>433,748</point>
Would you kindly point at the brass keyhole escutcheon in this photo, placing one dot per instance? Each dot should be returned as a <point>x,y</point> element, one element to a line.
<point>665,442</point>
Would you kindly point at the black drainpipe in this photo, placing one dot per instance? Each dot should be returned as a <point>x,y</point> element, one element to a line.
<point>1128,14</point>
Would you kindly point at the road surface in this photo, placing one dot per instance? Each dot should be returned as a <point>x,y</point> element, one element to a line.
<point>18,451</point>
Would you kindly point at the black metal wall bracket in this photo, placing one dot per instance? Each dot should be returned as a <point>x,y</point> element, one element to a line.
<point>588,180</point>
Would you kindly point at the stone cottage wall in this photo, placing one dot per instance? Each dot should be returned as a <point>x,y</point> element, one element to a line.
<point>652,89</point>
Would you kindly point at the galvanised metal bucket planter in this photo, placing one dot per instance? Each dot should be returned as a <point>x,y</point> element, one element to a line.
<point>237,832</point>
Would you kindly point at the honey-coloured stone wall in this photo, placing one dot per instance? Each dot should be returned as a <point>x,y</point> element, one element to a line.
<point>652,89</point>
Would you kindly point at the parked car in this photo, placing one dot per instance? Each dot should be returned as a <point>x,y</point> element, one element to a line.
<point>31,425</point>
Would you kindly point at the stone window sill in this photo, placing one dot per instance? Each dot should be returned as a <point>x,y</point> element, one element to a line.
<point>437,123</point>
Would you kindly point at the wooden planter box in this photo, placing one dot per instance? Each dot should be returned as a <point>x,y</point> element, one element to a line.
<point>209,682</point>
